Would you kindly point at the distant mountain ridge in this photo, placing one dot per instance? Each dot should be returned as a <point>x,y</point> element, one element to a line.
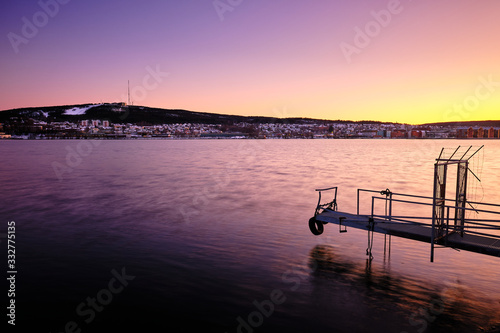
<point>121,113</point>
<point>472,123</point>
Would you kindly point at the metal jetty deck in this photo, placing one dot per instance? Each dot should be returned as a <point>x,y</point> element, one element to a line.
<point>453,222</point>
<point>418,232</point>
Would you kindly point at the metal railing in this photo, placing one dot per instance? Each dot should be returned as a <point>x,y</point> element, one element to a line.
<point>472,225</point>
<point>329,205</point>
<point>449,222</point>
<point>481,223</point>
<point>440,227</point>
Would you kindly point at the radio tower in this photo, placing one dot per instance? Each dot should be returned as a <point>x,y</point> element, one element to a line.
<point>128,92</point>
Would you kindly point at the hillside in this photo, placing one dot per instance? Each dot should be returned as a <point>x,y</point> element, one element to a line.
<point>117,113</point>
<point>474,124</point>
<point>142,115</point>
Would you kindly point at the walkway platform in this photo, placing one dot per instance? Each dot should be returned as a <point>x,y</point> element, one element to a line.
<point>455,222</point>
<point>418,232</point>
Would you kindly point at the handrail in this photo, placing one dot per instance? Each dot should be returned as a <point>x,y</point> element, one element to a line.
<point>400,219</point>
<point>388,196</point>
<point>429,204</point>
<point>431,198</point>
<point>489,227</point>
<point>332,204</point>
<point>484,203</point>
<point>326,189</point>
<point>472,224</point>
<point>481,220</point>
<point>415,196</point>
<point>483,234</point>
<point>411,217</point>
<point>484,224</point>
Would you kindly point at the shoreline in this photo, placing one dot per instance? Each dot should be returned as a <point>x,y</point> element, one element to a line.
<point>228,138</point>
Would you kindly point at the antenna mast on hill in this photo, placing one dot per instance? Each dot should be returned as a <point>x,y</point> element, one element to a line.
<point>128,92</point>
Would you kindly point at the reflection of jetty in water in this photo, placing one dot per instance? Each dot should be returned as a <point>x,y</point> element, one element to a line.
<point>396,303</point>
<point>458,223</point>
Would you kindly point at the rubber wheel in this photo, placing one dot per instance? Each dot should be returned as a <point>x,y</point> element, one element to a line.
<point>315,226</point>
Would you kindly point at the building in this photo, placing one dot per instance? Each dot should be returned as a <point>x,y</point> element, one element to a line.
<point>416,134</point>
<point>398,134</point>
<point>462,133</point>
<point>368,133</point>
<point>470,133</point>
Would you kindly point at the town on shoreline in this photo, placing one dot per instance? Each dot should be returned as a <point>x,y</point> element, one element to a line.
<point>104,129</point>
<point>123,121</point>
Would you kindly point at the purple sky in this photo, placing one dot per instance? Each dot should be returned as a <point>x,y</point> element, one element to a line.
<point>426,61</point>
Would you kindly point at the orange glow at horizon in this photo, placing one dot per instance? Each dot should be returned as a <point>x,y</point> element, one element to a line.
<point>415,62</point>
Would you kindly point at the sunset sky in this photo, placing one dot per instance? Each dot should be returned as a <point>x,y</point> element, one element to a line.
<point>412,61</point>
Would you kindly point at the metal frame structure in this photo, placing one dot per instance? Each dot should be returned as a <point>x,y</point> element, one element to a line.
<point>447,226</point>
<point>440,226</point>
<point>329,205</point>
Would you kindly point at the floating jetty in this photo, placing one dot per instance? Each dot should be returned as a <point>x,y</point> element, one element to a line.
<point>452,222</point>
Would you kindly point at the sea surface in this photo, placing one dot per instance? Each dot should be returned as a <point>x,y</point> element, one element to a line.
<point>212,236</point>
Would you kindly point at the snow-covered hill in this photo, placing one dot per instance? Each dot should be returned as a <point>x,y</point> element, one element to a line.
<point>76,111</point>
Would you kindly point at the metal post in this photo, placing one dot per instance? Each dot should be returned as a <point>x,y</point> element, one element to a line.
<point>434,211</point>
<point>385,241</point>
<point>357,204</point>
<point>390,206</point>
<point>462,222</point>
<point>373,205</point>
<point>447,218</point>
<point>389,246</point>
<point>319,202</point>
<point>447,222</point>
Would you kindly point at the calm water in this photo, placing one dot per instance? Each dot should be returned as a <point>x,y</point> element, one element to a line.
<point>212,236</point>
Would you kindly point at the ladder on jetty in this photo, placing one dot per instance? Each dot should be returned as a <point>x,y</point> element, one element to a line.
<point>453,222</point>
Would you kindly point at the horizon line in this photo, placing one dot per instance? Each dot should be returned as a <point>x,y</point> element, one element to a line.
<point>261,116</point>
